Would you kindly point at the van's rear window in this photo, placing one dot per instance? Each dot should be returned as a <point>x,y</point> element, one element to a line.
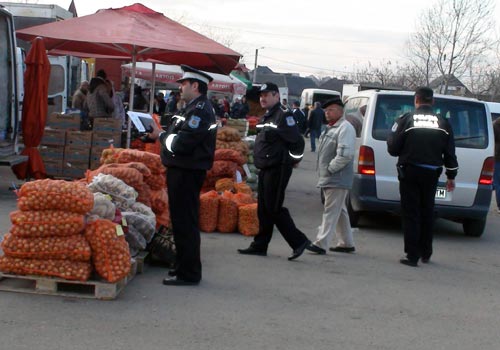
<point>467,118</point>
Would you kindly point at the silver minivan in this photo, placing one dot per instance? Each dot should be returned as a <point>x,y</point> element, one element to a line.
<point>376,186</point>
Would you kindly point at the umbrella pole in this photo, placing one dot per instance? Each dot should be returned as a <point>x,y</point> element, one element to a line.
<point>131,96</point>
<point>153,88</point>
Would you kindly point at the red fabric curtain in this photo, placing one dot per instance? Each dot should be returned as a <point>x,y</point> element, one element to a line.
<point>36,86</point>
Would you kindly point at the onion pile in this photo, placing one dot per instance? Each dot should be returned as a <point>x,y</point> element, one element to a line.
<point>70,270</point>
<point>74,248</point>
<point>46,223</point>
<point>56,195</point>
<point>110,251</point>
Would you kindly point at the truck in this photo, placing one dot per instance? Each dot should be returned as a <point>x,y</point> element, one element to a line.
<point>11,96</point>
<point>66,72</point>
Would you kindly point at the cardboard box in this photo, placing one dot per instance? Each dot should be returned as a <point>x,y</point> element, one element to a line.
<point>53,137</point>
<point>75,170</point>
<point>52,153</point>
<point>81,139</point>
<point>53,167</point>
<point>95,156</point>
<point>63,121</point>
<point>107,125</point>
<point>76,154</point>
<point>105,139</point>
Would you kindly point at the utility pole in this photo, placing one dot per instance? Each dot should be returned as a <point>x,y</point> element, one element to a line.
<point>255,65</point>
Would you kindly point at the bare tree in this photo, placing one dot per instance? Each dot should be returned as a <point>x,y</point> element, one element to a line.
<point>451,36</point>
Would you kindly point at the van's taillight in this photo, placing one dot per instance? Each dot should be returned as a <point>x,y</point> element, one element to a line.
<point>366,161</point>
<point>486,177</point>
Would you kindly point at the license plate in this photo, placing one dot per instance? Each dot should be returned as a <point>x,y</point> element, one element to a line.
<point>440,193</point>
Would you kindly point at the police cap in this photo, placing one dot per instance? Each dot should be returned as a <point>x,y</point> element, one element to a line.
<point>333,101</point>
<point>269,87</point>
<point>192,73</point>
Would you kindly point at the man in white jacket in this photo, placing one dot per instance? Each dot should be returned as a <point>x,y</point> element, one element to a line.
<point>335,166</point>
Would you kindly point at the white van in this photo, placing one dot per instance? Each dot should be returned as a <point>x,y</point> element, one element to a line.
<point>10,97</point>
<point>494,108</point>
<point>309,96</point>
<point>376,186</point>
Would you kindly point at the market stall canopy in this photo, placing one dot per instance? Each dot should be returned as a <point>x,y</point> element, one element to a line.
<point>133,31</point>
<point>171,73</point>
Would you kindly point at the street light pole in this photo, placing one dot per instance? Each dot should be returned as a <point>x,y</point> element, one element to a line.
<point>255,66</point>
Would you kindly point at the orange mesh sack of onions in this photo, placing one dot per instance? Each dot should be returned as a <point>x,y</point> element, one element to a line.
<point>110,250</point>
<point>248,221</point>
<point>74,248</point>
<point>46,223</point>
<point>70,270</point>
<point>228,213</point>
<point>209,211</point>
<point>55,195</point>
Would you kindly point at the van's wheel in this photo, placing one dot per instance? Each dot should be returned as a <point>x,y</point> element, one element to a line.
<point>474,227</point>
<point>353,215</point>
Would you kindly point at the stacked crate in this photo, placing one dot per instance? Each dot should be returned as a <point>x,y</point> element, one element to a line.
<point>106,133</point>
<point>68,152</point>
<point>53,142</point>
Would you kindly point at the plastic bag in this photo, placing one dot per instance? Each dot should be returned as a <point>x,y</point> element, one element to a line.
<point>228,213</point>
<point>74,248</point>
<point>146,211</point>
<point>46,223</point>
<point>110,251</point>
<point>248,220</point>
<point>135,240</point>
<point>209,211</point>
<point>162,248</point>
<point>55,195</point>
<point>103,207</point>
<point>123,195</point>
<point>140,223</point>
<point>70,270</point>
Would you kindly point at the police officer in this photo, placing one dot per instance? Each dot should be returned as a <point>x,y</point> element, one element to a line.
<point>188,149</point>
<point>423,141</point>
<point>278,147</point>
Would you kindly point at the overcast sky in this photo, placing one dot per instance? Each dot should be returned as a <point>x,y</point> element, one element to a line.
<point>320,37</point>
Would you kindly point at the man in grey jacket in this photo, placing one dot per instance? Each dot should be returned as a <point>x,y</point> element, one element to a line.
<point>335,166</point>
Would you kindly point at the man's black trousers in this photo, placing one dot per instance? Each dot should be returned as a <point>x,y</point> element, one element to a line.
<point>184,187</point>
<point>417,188</point>
<point>272,185</point>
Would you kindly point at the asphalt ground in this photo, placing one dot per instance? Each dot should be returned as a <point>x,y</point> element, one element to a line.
<point>365,300</point>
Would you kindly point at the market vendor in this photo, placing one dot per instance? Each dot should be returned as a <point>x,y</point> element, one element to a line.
<point>188,148</point>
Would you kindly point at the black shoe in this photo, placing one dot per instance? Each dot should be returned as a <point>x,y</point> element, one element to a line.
<point>253,251</point>
<point>299,250</point>
<point>426,260</point>
<point>174,281</point>
<point>408,262</point>
<point>172,273</point>
<point>340,249</point>
<point>315,249</point>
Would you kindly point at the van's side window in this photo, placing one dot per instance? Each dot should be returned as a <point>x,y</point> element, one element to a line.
<point>354,112</point>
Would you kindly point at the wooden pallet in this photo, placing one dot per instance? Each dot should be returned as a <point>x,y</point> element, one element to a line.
<point>91,289</point>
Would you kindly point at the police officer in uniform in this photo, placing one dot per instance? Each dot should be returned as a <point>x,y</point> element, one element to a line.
<point>423,141</point>
<point>278,147</point>
<point>188,148</point>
